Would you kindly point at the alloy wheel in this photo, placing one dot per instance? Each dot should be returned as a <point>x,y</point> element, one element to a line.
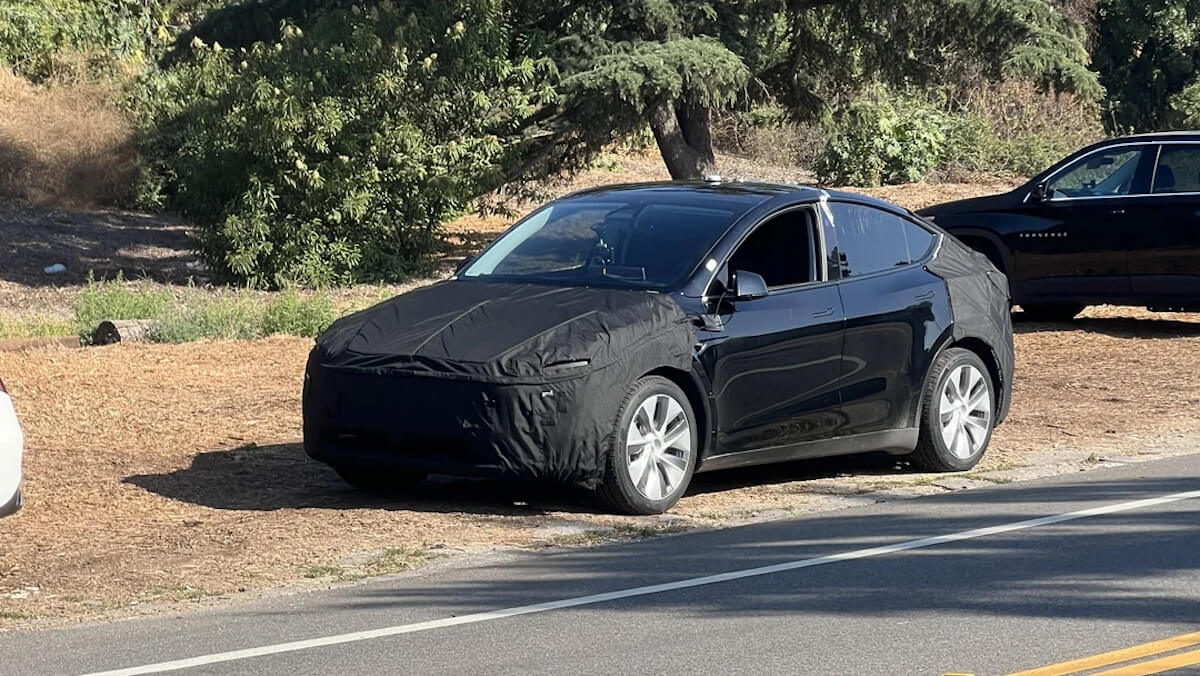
<point>965,411</point>
<point>658,447</point>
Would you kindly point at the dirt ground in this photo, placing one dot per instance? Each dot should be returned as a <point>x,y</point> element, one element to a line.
<point>174,472</point>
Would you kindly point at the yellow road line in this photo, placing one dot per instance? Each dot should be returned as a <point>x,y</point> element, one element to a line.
<point>1157,666</point>
<point>1117,656</point>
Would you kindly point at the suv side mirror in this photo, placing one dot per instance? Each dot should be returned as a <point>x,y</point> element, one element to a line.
<point>1041,192</point>
<point>748,285</point>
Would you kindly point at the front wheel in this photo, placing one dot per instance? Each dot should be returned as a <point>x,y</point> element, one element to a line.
<point>653,453</point>
<point>956,413</point>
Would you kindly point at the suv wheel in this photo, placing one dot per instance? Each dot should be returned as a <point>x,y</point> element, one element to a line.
<point>653,452</point>
<point>957,413</point>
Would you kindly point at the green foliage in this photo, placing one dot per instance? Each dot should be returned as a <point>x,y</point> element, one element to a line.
<point>37,326</point>
<point>292,314</point>
<point>1012,128</point>
<point>195,315</point>
<point>882,139</point>
<point>33,33</point>
<point>1147,54</point>
<point>117,299</point>
<point>334,155</point>
<point>244,316</point>
<point>1009,128</point>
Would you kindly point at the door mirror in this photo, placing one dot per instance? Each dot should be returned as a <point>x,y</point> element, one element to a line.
<point>748,285</point>
<point>1041,192</point>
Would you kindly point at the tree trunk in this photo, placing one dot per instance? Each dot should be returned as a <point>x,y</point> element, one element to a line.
<point>121,331</point>
<point>685,140</point>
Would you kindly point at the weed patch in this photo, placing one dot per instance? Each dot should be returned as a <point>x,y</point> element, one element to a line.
<point>235,315</point>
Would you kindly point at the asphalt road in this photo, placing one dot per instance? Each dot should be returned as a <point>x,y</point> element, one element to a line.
<point>986,581</point>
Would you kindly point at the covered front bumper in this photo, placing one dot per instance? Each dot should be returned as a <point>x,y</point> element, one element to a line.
<point>443,424</point>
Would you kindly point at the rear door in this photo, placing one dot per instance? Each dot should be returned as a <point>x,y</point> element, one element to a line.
<point>895,313</point>
<point>1078,250</point>
<point>1164,246</point>
<point>774,365</point>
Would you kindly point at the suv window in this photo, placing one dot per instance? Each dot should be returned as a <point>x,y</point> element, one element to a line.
<point>1178,169</point>
<point>871,240</point>
<point>1104,173</point>
<point>780,250</point>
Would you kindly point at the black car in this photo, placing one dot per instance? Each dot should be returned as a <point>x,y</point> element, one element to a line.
<point>1117,222</point>
<point>623,338</point>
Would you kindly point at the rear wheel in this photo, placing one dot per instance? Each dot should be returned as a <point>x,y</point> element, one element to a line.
<point>654,448</point>
<point>379,479</point>
<point>957,413</point>
<point>1057,312</point>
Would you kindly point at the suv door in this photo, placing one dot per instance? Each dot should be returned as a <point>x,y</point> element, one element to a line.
<point>1164,247</point>
<point>1078,253</point>
<point>896,312</point>
<point>774,363</point>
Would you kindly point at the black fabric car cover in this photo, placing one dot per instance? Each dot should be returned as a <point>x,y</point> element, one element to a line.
<point>979,301</point>
<point>519,379</point>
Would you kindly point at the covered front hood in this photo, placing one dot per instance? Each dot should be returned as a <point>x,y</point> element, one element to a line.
<point>502,331</point>
<point>974,205</point>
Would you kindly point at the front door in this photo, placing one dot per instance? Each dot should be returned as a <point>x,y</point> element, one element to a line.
<point>1164,247</point>
<point>774,365</point>
<point>1075,247</point>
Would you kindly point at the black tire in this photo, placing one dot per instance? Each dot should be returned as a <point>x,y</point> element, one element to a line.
<point>1055,312</point>
<point>378,479</point>
<point>618,491</point>
<point>933,454</point>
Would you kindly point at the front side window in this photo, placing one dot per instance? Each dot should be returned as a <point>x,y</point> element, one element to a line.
<point>607,241</point>
<point>1178,169</point>
<point>872,240</point>
<point>780,250</point>
<point>1105,173</point>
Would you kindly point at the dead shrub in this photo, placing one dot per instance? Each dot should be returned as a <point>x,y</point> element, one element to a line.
<point>766,134</point>
<point>65,142</point>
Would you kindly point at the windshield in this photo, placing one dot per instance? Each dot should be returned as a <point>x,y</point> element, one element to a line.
<point>608,240</point>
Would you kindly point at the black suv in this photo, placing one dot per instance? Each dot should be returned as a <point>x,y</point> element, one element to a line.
<point>1117,222</point>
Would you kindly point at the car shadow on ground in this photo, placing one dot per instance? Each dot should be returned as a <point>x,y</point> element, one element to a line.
<point>267,478</point>
<point>1117,327</point>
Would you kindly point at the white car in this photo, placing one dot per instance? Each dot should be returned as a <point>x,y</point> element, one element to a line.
<point>11,443</point>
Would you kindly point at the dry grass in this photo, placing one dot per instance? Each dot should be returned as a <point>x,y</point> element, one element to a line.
<point>66,143</point>
<point>173,472</point>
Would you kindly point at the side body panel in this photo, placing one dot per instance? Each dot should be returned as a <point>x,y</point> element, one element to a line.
<point>774,369</point>
<point>1070,250</point>
<point>894,322</point>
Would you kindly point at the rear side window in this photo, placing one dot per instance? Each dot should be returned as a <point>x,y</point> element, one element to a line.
<point>1178,169</point>
<point>872,240</point>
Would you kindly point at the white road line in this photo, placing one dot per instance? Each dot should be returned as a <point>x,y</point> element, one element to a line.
<point>338,639</point>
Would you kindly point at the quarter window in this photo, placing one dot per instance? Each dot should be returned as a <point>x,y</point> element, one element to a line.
<point>1178,169</point>
<point>1105,173</point>
<point>872,240</point>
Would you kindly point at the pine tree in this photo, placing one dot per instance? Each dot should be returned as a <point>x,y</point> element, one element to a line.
<point>1147,53</point>
<point>672,63</point>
